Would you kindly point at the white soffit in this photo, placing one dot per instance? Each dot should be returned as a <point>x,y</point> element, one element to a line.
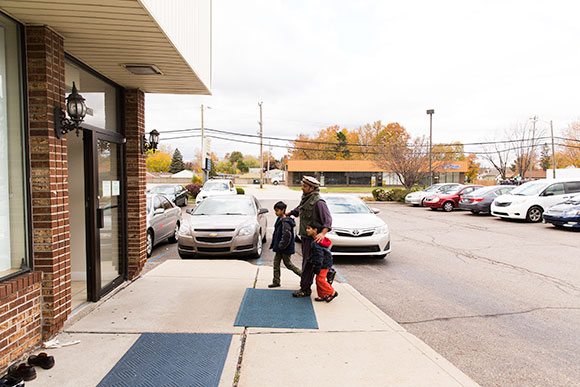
<point>105,34</point>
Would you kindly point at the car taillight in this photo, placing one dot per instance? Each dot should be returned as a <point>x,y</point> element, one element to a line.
<point>476,199</point>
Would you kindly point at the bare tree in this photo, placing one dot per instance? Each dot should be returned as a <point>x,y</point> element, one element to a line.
<point>497,155</point>
<point>525,144</point>
<point>408,160</point>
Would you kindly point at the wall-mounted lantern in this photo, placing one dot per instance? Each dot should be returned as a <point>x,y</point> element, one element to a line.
<point>152,143</point>
<point>76,109</point>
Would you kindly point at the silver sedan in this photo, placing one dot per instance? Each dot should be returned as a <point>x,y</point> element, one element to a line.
<point>356,230</point>
<point>163,221</point>
<point>224,225</point>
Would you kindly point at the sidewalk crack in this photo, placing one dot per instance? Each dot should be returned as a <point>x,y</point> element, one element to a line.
<point>489,315</point>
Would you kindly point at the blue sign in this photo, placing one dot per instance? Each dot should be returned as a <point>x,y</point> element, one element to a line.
<point>451,166</point>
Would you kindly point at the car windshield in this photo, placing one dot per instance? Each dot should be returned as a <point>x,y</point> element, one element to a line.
<point>574,200</point>
<point>432,188</point>
<point>163,189</point>
<point>529,189</point>
<point>213,206</point>
<point>483,191</point>
<point>343,205</point>
<point>216,186</point>
<point>452,190</point>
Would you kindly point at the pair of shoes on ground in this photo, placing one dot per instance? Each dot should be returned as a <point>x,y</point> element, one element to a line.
<point>274,285</point>
<point>327,298</point>
<point>17,374</point>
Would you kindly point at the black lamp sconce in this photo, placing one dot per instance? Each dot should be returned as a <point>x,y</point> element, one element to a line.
<point>151,144</point>
<point>76,109</point>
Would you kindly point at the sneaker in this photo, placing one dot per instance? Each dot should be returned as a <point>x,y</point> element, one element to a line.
<point>274,285</point>
<point>11,381</point>
<point>300,293</point>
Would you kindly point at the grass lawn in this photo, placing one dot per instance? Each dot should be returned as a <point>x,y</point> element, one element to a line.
<point>340,189</point>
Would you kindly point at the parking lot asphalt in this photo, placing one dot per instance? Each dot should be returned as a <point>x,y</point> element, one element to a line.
<point>498,298</point>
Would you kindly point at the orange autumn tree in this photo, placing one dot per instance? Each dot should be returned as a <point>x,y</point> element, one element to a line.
<point>332,143</point>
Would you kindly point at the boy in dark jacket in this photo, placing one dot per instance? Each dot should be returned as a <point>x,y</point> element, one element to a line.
<point>321,261</point>
<point>283,243</point>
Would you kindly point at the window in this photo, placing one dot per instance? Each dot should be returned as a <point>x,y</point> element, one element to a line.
<point>166,204</point>
<point>359,178</point>
<point>555,189</point>
<point>13,225</point>
<point>334,178</point>
<point>573,187</point>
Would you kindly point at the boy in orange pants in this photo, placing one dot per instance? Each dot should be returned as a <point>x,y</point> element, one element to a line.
<point>321,261</point>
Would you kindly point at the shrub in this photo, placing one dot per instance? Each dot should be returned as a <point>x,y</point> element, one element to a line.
<point>376,192</point>
<point>383,196</point>
<point>196,179</point>
<point>193,189</point>
<point>398,194</point>
<point>240,190</point>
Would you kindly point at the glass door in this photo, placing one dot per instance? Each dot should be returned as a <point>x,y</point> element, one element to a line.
<point>107,223</point>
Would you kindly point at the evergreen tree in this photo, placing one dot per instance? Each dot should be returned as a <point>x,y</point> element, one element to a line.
<point>177,164</point>
<point>545,159</point>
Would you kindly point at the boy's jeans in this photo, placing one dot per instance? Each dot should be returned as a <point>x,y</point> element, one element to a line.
<point>286,258</point>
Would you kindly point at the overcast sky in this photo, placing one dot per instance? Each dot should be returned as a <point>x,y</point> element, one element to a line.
<point>484,66</point>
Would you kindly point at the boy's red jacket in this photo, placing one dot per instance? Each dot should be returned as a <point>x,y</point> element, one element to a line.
<point>325,242</point>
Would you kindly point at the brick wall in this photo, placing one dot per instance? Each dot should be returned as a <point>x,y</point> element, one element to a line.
<point>136,182</point>
<point>19,317</point>
<point>49,175</point>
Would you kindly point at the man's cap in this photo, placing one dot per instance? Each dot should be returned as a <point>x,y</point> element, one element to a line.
<point>311,181</point>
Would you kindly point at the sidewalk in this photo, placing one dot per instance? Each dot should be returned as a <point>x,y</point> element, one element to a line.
<point>355,344</point>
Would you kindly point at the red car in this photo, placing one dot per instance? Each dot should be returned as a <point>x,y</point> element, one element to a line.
<point>449,199</point>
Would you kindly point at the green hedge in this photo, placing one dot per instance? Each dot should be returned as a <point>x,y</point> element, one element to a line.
<point>240,190</point>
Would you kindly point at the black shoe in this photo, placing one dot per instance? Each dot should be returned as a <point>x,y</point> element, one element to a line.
<point>11,381</point>
<point>332,296</point>
<point>300,293</point>
<point>23,371</point>
<point>42,360</point>
<point>274,285</point>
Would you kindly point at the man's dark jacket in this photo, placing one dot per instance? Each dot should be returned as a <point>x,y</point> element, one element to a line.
<point>283,237</point>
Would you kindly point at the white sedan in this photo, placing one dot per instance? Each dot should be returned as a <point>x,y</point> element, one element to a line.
<point>215,187</point>
<point>356,230</point>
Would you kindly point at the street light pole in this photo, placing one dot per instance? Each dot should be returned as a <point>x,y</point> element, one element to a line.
<point>430,112</point>
<point>534,119</point>
<point>202,148</point>
<point>261,151</point>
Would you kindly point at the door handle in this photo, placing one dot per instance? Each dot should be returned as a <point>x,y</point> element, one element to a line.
<point>100,218</point>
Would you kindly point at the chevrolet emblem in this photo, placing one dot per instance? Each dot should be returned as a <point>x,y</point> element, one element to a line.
<point>213,234</point>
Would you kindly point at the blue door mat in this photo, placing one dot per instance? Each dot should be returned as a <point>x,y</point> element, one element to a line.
<point>265,308</point>
<point>171,359</point>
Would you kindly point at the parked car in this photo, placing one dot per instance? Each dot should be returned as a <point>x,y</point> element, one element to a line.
<point>449,199</point>
<point>356,230</point>
<point>215,187</point>
<point>175,192</point>
<point>480,200</point>
<point>417,198</point>
<point>529,200</point>
<point>163,221</point>
<point>220,225</point>
<point>565,214</point>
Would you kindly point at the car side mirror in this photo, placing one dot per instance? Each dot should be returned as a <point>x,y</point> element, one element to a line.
<point>375,210</point>
<point>263,211</point>
<point>158,211</point>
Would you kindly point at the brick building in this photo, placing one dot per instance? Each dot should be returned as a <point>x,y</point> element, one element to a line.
<point>72,209</point>
<point>362,172</point>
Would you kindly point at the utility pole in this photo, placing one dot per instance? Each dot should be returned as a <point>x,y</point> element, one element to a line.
<point>261,147</point>
<point>534,119</point>
<point>430,112</point>
<point>202,148</point>
<point>269,155</point>
<point>553,154</point>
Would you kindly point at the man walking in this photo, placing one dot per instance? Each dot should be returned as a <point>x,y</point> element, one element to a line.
<point>312,208</point>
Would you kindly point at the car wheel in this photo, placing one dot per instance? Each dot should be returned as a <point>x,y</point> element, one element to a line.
<point>448,207</point>
<point>186,256</point>
<point>422,202</point>
<point>264,238</point>
<point>258,252</point>
<point>433,209</point>
<point>175,236</point>
<point>475,212</point>
<point>275,182</point>
<point>149,243</point>
<point>534,214</point>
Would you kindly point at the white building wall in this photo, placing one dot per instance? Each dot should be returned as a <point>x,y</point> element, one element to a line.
<point>188,24</point>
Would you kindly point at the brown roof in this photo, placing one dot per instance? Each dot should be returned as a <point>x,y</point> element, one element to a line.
<point>361,166</point>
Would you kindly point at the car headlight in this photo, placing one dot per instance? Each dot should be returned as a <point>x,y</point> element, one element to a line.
<point>572,213</point>
<point>382,229</point>
<point>245,231</point>
<point>185,228</point>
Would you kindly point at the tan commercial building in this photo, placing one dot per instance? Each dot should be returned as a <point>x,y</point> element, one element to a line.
<point>72,205</point>
<point>364,173</point>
